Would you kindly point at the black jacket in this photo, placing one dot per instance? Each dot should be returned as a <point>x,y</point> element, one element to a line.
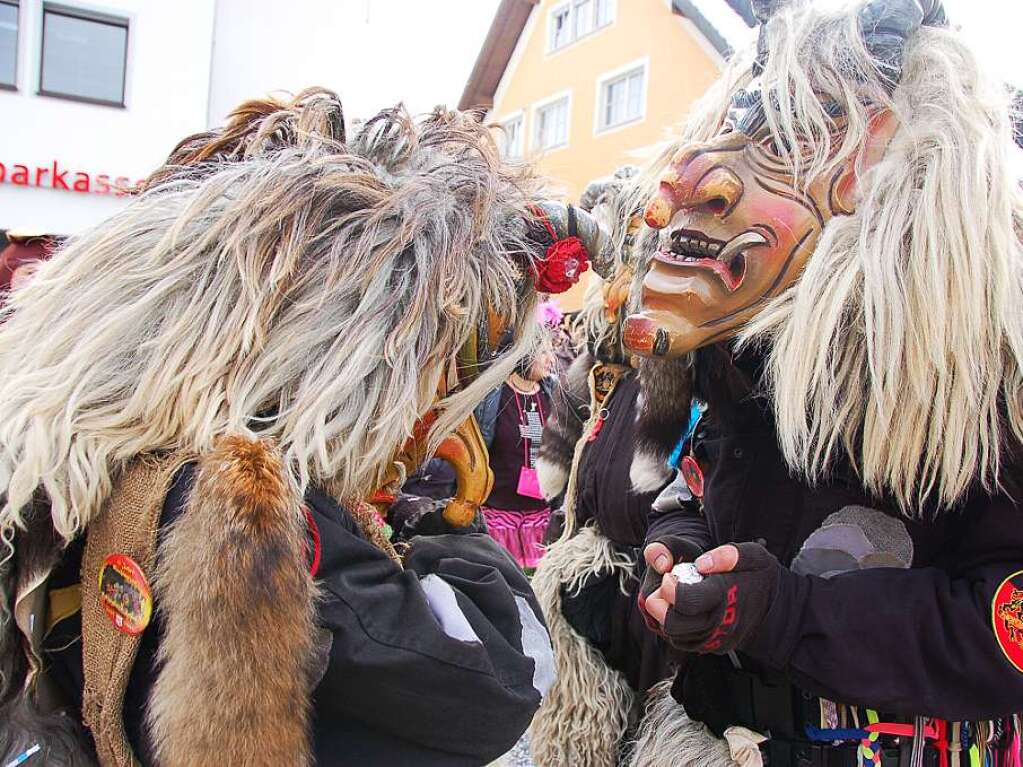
<point>915,641</point>
<point>601,612</point>
<point>398,688</point>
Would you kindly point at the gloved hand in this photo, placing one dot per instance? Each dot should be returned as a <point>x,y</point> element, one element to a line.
<point>662,555</point>
<point>718,614</point>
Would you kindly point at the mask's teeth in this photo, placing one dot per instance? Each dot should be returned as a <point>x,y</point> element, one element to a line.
<point>740,243</point>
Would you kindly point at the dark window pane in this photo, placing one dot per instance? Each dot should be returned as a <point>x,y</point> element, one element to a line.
<point>84,57</point>
<point>8,43</point>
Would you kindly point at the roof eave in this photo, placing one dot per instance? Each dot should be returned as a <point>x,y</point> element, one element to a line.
<point>689,9</point>
<point>496,53</point>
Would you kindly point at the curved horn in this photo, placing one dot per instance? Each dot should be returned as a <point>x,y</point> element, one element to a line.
<point>596,240</point>
<point>763,10</point>
<point>886,25</point>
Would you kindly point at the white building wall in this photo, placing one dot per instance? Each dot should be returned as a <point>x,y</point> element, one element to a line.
<point>265,47</point>
<point>372,53</point>
<point>166,97</point>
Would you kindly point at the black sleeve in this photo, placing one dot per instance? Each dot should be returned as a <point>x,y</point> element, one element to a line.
<point>443,662</point>
<point>686,521</point>
<point>912,642</point>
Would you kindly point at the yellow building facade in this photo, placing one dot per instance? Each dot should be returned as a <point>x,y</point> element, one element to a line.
<point>592,85</point>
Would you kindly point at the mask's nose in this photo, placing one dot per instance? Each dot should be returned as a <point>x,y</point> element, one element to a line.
<point>693,182</point>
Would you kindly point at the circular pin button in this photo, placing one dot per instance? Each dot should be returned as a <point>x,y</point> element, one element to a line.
<point>693,475</point>
<point>124,594</point>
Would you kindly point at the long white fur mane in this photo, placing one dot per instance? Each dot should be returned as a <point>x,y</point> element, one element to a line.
<point>900,348</point>
<point>902,342</point>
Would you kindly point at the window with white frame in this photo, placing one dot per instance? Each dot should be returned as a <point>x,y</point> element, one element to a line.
<point>622,98</point>
<point>560,31</point>
<point>85,55</point>
<point>551,124</point>
<point>8,43</point>
<point>583,16</point>
<point>513,138</point>
<point>576,19</point>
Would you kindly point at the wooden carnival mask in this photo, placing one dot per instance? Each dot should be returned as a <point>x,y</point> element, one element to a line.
<point>741,227</point>
<point>740,232</point>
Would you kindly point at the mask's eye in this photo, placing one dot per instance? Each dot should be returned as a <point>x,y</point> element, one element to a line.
<point>726,127</point>
<point>770,145</point>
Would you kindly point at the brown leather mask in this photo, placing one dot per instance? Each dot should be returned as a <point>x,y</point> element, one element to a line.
<point>740,232</point>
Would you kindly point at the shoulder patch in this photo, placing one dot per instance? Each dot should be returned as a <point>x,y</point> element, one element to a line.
<point>1007,618</point>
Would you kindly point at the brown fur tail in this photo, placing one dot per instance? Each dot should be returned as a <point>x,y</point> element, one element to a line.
<point>237,599</point>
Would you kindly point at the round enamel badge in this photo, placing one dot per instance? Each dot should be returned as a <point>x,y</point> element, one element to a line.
<point>693,475</point>
<point>124,594</point>
<point>1007,618</point>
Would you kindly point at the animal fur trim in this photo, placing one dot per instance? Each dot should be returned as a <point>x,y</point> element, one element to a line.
<point>62,742</point>
<point>565,427</point>
<point>661,420</point>
<point>553,477</point>
<point>648,472</point>
<point>584,716</point>
<point>667,736</point>
<point>234,588</point>
<point>23,723</point>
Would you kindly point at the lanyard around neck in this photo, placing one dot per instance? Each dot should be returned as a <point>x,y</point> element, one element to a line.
<point>523,420</point>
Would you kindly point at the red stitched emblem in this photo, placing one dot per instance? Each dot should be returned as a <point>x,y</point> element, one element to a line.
<point>1007,618</point>
<point>731,613</point>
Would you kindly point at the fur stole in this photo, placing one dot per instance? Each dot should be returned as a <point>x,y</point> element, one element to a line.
<point>661,419</point>
<point>569,412</point>
<point>238,604</point>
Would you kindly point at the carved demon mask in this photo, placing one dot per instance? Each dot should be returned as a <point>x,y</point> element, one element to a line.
<point>740,223</point>
<point>740,229</point>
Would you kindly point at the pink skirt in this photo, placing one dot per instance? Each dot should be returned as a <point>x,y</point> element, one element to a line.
<point>519,532</point>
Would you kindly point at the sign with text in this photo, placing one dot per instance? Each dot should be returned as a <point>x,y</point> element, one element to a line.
<point>56,176</point>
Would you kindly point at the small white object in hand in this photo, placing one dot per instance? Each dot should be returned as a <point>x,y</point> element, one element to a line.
<point>686,573</point>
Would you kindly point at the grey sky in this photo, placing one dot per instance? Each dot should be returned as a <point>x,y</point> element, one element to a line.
<point>434,44</point>
<point>378,52</point>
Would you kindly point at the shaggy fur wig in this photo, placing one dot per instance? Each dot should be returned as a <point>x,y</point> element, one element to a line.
<point>273,279</point>
<point>667,735</point>
<point>901,345</point>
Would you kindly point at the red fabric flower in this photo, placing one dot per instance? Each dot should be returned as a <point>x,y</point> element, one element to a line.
<point>563,265</point>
